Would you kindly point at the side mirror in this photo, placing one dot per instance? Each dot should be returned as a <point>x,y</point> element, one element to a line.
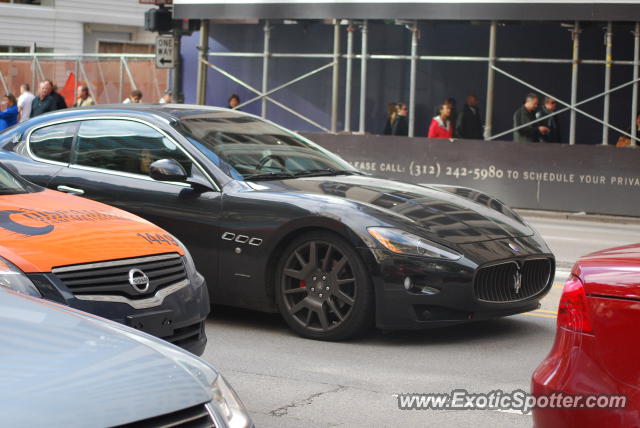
<point>167,170</point>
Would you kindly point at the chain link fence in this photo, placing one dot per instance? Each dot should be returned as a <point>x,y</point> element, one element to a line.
<point>110,77</point>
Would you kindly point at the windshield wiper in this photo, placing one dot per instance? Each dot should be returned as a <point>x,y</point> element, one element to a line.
<point>269,176</point>
<point>317,172</point>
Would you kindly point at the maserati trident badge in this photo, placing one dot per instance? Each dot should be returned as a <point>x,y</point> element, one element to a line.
<point>517,280</point>
<point>514,247</point>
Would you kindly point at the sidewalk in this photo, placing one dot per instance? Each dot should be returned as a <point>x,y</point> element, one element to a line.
<point>578,216</point>
<point>571,236</point>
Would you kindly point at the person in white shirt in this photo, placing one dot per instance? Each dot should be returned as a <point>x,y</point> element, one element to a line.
<point>166,98</point>
<point>134,98</point>
<point>24,102</point>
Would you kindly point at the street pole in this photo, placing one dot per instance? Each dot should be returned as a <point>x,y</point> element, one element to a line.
<point>178,96</point>
<point>574,81</point>
<point>335,81</point>
<point>363,78</point>
<point>412,78</point>
<point>488,125</point>
<point>607,81</point>
<point>201,89</point>
<point>634,95</point>
<point>348,79</point>
<point>266,53</point>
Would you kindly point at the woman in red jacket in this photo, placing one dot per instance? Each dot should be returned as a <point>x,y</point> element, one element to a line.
<point>441,126</point>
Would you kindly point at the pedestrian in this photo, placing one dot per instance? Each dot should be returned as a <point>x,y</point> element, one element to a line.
<point>401,125</point>
<point>441,124</point>
<point>8,111</point>
<point>624,141</point>
<point>44,102</point>
<point>548,107</point>
<point>392,113</point>
<point>233,102</point>
<point>135,97</point>
<point>469,122</point>
<point>523,116</point>
<point>83,98</point>
<point>453,117</point>
<point>24,102</point>
<point>166,98</point>
<point>60,102</point>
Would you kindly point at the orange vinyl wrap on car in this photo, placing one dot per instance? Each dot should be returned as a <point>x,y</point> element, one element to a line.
<point>43,230</point>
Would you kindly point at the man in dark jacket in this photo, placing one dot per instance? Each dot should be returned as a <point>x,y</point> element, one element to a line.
<point>469,123</point>
<point>60,102</point>
<point>44,102</point>
<point>401,124</point>
<point>523,116</point>
<point>553,136</point>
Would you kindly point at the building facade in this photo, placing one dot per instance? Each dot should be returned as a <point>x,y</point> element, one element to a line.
<point>74,26</point>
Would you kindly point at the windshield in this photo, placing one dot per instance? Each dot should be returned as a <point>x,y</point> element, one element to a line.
<point>10,185</point>
<point>249,148</point>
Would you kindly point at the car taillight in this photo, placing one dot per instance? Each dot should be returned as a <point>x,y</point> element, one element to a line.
<point>572,312</point>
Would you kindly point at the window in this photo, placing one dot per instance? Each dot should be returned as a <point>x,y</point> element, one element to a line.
<point>53,142</point>
<point>246,146</point>
<point>125,146</point>
<point>10,185</point>
<point>48,3</point>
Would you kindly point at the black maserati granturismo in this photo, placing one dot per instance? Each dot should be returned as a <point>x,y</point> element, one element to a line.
<point>277,223</point>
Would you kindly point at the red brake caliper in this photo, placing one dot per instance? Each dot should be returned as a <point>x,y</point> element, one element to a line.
<point>303,284</point>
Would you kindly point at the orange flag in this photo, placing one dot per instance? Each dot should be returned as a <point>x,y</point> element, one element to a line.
<point>68,92</point>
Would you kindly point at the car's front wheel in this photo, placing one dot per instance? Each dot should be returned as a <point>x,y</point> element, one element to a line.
<point>322,288</point>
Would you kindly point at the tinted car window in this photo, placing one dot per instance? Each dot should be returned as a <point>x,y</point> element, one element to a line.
<point>10,184</point>
<point>126,146</point>
<point>53,142</point>
<point>244,146</point>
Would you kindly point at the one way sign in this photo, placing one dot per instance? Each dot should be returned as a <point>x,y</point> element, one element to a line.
<point>164,51</point>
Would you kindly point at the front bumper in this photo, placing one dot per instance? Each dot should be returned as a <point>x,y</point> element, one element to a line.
<point>454,300</point>
<point>179,319</point>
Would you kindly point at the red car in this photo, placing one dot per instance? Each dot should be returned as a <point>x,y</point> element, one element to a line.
<point>597,347</point>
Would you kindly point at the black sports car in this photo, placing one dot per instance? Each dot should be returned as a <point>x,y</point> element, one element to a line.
<point>275,222</point>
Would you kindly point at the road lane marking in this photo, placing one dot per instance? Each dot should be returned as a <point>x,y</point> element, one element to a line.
<point>533,314</point>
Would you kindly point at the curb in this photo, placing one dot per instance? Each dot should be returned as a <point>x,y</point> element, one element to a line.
<point>578,216</point>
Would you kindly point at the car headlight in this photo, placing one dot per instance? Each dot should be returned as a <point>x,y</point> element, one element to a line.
<point>401,242</point>
<point>188,260</point>
<point>14,279</point>
<point>227,405</point>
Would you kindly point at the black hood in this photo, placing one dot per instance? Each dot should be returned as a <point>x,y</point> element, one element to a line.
<point>451,214</point>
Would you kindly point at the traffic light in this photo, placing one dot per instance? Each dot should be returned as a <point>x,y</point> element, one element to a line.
<point>159,20</point>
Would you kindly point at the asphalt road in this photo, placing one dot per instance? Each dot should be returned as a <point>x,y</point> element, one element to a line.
<point>287,381</point>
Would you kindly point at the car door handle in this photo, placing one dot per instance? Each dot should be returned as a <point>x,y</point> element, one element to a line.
<point>72,190</point>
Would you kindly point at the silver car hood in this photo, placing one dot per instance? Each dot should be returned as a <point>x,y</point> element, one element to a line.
<point>61,367</point>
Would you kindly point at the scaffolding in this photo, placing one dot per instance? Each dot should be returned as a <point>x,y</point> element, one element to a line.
<point>491,59</point>
<point>109,77</point>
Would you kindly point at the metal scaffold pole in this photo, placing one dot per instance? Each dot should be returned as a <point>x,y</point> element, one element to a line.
<point>266,53</point>
<point>574,80</point>
<point>201,89</point>
<point>607,81</point>
<point>348,78</point>
<point>121,81</point>
<point>335,81</point>
<point>363,78</point>
<point>412,79</point>
<point>634,94</point>
<point>490,81</point>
